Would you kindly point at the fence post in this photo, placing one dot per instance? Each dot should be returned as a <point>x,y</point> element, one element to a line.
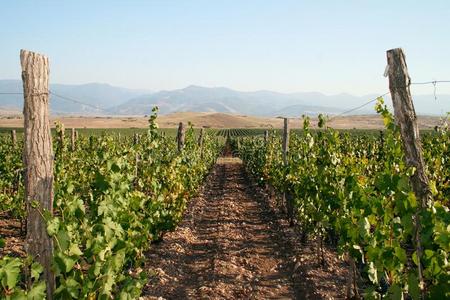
<point>266,136</point>
<point>136,169</point>
<point>285,140</point>
<point>61,140</point>
<point>180,136</point>
<point>13,137</point>
<point>287,197</point>
<point>200,141</point>
<point>405,117</point>
<point>136,139</point>
<point>38,161</point>
<point>72,139</point>
<point>200,137</point>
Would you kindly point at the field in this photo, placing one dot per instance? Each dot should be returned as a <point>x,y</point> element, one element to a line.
<point>213,120</point>
<point>324,208</point>
<point>139,217</point>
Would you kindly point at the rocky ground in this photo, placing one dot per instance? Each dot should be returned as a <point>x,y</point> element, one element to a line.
<point>235,244</point>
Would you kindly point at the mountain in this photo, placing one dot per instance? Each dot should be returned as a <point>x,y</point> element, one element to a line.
<point>266,103</point>
<point>96,95</point>
<point>224,100</point>
<point>112,100</point>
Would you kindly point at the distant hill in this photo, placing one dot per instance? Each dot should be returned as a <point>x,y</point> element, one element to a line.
<point>103,96</point>
<point>112,100</point>
<point>265,103</point>
<point>224,100</point>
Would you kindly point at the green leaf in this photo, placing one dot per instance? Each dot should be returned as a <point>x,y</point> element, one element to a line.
<point>395,292</point>
<point>53,226</point>
<point>415,258</point>
<point>18,295</point>
<point>36,270</point>
<point>413,286</point>
<point>63,239</point>
<point>412,200</point>
<point>373,273</point>
<point>364,227</point>
<point>75,250</point>
<point>68,289</point>
<point>37,292</point>
<point>70,188</point>
<point>433,188</point>
<point>65,263</point>
<point>400,253</point>
<point>9,272</point>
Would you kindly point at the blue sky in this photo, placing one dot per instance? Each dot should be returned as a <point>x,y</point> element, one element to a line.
<point>287,46</point>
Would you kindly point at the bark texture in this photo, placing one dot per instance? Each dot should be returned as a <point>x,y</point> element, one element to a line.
<point>13,137</point>
<point>285,140</point>
<point>72,139</point>
<point>38,160</point>
<point>405,117</point>
<point>180,136</point>
<point>287,197</point>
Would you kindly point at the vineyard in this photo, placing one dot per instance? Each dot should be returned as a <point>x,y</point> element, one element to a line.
<point>354,194</point>
<point>170,213</point>
<point>112,199</point>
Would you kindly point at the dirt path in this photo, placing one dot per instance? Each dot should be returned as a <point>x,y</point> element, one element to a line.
<point>231,245</point>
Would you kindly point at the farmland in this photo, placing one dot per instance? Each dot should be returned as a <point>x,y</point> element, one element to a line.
<point>303,209</point>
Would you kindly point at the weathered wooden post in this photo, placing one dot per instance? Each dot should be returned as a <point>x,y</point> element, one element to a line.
<point>136,139</point>
<point>38,161</point>
<point>285,140</point>
<point>13,137</point>
<point>287,197</point>
<point>136,169</point>
<point>405,117</point>
<point>180,137</point>
<point>200,137</point>
<point>200,141</point>
<point>72,139</point>
<point>266,136</point>
<point>61,138</point>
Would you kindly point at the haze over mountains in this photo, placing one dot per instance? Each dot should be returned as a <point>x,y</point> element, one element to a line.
<point>104,99</point>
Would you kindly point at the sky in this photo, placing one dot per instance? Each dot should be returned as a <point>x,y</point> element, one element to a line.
<point>287,46</point>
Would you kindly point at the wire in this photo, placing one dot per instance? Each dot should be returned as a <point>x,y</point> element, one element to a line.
<point>358,107</point>
<point>433,82</point>
<point>430,82</point>
<point>77,101</point>
<point>61,97</point>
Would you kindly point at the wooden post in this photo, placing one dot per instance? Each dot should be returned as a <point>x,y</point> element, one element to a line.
<point>13,137</point>
<point>266,136</point>
<point>137,159</point>
<point>72,139</point>
<point>136,139</point>
<point>200,138</point>
<point>61,138</point>
<point>38,161</point>
<point>405,117</point>
<point>287,197</point>
<point>200,141</point>
<point>180,136</point>
<point>285,140</point>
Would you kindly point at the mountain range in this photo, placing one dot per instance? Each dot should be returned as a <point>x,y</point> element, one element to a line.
<point>104,99</point>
